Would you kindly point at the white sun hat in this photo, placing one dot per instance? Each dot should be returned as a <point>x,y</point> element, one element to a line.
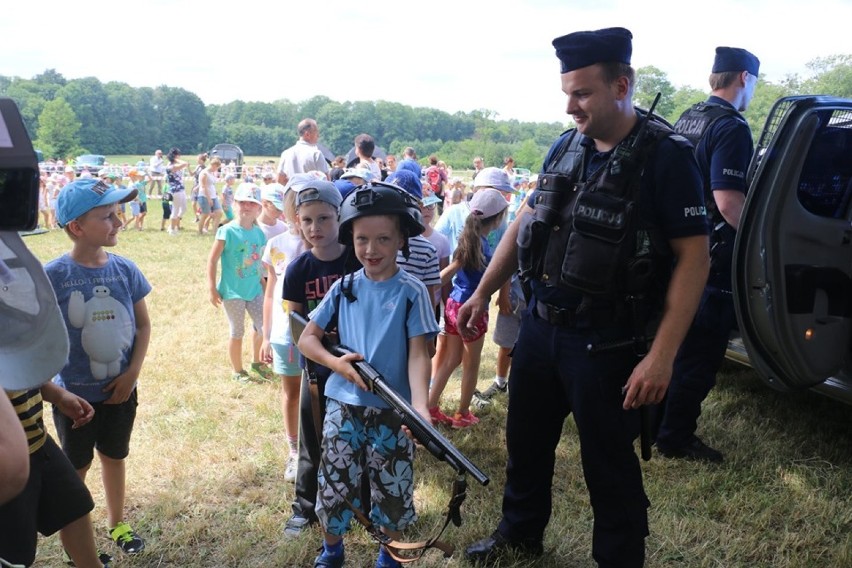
<point>33,338</point>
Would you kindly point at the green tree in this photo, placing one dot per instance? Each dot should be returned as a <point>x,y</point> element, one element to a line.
<point>58,130</point>
<point>90,103</point>
<point>183,120</point>
<point>651,80</point>
<point>684,98</point>
<point>834,76</point>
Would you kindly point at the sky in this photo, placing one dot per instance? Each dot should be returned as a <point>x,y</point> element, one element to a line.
<point>460,55</point>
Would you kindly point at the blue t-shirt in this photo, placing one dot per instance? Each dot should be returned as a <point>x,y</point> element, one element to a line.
<point>377,325</point>
<point>242,266</point>
<point>97,305</point>
<point>467,279</point>
<point>670,198</point>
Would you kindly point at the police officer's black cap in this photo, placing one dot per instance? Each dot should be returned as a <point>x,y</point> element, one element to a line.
<point>581,49</point>
<point>735,59</point>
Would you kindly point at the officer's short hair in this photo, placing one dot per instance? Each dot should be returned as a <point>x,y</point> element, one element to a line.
<point>611,71</point>
<point>723,80</point>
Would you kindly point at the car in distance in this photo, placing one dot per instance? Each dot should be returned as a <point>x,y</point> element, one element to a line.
<point>228,154</point>
<point>792,262</point>
<point>93,163</point>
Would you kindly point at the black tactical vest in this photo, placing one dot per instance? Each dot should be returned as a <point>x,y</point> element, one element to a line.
<point>692,125</point>
<point>586,235</point>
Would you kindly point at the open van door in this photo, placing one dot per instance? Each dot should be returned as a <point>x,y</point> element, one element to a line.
<point>793,253</point>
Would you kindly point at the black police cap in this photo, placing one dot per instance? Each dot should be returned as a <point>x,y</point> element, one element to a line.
<point>735,59</point>
<point>581,49</point>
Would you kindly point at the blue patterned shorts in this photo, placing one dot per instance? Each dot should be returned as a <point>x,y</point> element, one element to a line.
<point>355,438</point>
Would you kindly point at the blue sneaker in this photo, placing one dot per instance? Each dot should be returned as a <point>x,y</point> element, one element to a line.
<point>385,560</point>
<point>330,558</point>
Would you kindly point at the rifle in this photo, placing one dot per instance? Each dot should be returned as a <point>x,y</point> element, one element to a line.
<point>423,431</point>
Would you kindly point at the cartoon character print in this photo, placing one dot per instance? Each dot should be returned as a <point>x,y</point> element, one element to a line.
<point>278,260</point>
<point>251,260</point>
<point>107,330</point>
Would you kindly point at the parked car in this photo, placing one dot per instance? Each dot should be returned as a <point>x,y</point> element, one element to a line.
<point>91,162</point>
<point>793,252</point>
<point>228,153</point>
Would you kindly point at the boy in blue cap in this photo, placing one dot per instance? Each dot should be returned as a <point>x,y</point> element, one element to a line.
<point>102,298</point>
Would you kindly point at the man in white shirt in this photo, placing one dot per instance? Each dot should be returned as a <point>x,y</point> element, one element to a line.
<point>156,172</point>
<point>303,156</point>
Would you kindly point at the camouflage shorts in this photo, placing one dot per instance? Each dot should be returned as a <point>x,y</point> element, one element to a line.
<point>356,438</point>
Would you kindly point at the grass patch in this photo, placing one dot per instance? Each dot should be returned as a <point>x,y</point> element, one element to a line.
<point>205,475</point>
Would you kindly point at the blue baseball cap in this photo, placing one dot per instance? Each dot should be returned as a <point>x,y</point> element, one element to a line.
<point>344,186</point>
<point>407,181</point>
<point>81,196</point>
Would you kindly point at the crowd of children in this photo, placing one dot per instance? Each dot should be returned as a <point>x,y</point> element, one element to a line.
<point>359,257</point>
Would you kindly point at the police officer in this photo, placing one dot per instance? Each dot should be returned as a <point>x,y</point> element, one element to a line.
<point>616,192</point>
<point>723,147</point>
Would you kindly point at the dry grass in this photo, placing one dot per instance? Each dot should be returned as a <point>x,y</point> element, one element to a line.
<point>205,472</point>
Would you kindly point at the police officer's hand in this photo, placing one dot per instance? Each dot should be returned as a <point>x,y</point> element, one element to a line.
<point>470,311</point>
<point>647,383</point>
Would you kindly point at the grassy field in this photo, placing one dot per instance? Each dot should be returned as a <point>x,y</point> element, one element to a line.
<point>205,474</point>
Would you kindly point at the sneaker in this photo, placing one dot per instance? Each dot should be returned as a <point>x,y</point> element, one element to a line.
<point>126,539</point>
<point>494,389</point>
<point>242,377</point>
<point>385,560</point>
<point>263,371</point>
<point>295,525</point>
<point>292,466</point>
<point>439,417</point>
<point>695,449</point>
<point>324,560</point>
<point>483,399</point>
<point>105,558</point>
<point>465,420</point>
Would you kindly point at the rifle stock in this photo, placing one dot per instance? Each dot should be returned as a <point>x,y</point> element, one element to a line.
<point>422,430</point>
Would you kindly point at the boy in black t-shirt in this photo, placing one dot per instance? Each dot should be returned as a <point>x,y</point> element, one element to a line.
<point>308,278</point>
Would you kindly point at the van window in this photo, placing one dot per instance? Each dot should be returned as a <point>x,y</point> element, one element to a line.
<point>825,183</point>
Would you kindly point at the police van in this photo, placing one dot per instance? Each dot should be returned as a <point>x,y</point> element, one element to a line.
<point>793,253</point>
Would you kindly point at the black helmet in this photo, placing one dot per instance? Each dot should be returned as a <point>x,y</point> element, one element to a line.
<point>380,198</point>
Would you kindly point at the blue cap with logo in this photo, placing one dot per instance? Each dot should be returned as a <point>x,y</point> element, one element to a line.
<point>581,49</point>
<point>735,59</point>
<point>83,195</point>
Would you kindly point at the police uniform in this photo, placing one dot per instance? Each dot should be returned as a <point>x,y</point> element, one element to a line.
<point>723,150</point>
<point>555,373</point>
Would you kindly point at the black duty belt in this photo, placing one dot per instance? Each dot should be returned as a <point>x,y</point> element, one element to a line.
<point>554,315</point>
<point>568,317</point>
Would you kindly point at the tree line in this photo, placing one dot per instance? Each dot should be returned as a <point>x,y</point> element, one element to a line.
<point>66,118</point>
